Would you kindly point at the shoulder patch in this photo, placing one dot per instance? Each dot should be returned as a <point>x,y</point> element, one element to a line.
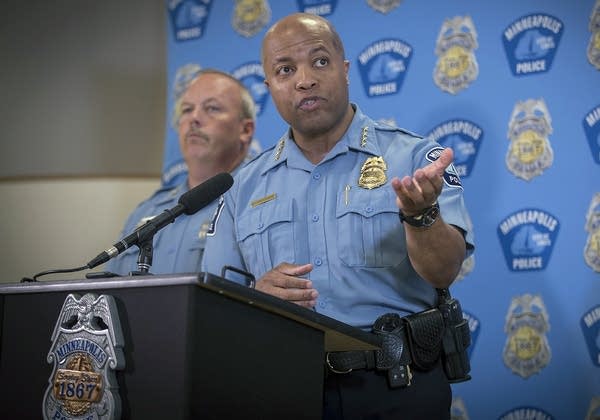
<point>451,177</point>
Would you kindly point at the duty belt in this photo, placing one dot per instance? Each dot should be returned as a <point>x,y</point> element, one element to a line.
<point>414,340</point>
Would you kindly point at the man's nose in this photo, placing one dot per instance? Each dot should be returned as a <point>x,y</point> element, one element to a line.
<point>197,117</point>
<point>305,79</point>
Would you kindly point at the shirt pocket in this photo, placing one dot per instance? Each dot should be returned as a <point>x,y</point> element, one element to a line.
<point>369,231</point>
<point>266,236</point>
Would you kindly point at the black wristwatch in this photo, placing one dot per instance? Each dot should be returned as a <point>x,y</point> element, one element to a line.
<point>424,219</point>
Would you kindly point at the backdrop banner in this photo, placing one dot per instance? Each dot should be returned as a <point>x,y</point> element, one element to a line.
<point>514,88</point>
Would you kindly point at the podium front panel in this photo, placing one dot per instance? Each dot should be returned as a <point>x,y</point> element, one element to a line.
<point>191,350</point>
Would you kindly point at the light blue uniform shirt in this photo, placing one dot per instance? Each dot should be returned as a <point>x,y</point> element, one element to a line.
<point>283,208</point>
<point>178,247</point>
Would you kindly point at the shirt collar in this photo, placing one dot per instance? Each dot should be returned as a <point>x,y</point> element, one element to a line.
<point>360,136</point>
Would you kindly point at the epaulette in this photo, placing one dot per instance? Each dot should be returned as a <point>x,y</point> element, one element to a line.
<point>384,126</point>
<point>250,158</point>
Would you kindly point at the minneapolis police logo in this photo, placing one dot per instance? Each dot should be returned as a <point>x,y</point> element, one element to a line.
<point>451,177</point>
<point>591,126</point>
<point>464,138</point>
<point>526,413</point>
<point>174,167</point>
<point>474,327</point>
<point>593,50</point>
<point>466,268</point>
<point>383,66</point>
<point>592,226</point>
<point>590,326</point>
<point>457,66</point>
<point>252,76</point>
<point>530,43</point>
<point>250,16</point>
<point>527,237</point>
<point>188,18</point>
<point>529,152</point>
<point>183,77</point>
<point>526,350</point>
<point>469,263</point>
<point>87,348</point>
<point>593,412</point>
<point>458,409</point>
<point>317,7</point>
<point>383,6</point>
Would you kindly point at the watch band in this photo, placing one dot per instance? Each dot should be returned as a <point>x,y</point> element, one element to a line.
<point>424,219</point>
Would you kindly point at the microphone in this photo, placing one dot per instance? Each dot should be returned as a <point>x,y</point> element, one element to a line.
<point>189,203</point>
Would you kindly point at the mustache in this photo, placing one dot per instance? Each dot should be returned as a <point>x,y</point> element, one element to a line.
<point>195,132</point>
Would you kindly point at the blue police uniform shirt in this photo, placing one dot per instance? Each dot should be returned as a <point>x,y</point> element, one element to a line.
<point>177,247</point>
<point>283,208</point>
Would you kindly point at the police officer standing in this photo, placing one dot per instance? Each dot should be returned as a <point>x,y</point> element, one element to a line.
<point>348,216</point>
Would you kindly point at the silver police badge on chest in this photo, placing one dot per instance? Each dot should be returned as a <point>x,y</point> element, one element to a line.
<point>87,348</point>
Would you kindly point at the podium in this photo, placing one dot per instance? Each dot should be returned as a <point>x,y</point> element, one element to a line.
<point>195,346</point>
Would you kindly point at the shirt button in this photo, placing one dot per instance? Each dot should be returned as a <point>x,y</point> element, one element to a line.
<point>318,261</point>
<point>316,175</point>
<point>315,218</point>
<point>261,225</point>
<point>322,304</point>
<point>369,209</point>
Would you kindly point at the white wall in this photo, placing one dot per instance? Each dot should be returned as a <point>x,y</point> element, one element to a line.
<point>82,125</point>
<point>63,223</point>
<point>83,88</point>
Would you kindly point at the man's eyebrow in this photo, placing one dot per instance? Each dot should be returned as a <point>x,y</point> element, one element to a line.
<point>312,51</point>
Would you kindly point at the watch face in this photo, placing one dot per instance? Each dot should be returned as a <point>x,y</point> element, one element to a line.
<point>423,220</point>
<point>431,215</point>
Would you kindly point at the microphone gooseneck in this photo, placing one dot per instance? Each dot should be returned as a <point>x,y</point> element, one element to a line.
<point>189,203</point>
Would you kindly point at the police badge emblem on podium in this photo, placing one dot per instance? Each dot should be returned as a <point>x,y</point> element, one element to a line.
<point>86,350</point>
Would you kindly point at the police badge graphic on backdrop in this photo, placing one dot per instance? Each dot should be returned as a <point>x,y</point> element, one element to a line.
<point>527,237</point>
<point>474,328</point>
<point>383,66</point>
<point>529,152</point>
<point>458,409</point>
<point>592,226</point>
<point>468,264</point>
<point>464,138</point>
<point>591,127</point>
<point>593,50</point>
<point>590,327</point>
<point>87,348</point>
<point>526,350</point>
<point>188,18</point>
<point>526,412</point>
<point>593,412</point>
<point>457,66</point>
<point>250,16</point>
<point>383,6</point>
<point>252,76</point>
<point>530,43</point>
<point>317,7</point>
<point>174,167</point>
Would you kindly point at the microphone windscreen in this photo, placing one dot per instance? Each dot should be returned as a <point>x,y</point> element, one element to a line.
<point>205,193</point>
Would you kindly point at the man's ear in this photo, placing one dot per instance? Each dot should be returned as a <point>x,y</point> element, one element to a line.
<point>248,127</point>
